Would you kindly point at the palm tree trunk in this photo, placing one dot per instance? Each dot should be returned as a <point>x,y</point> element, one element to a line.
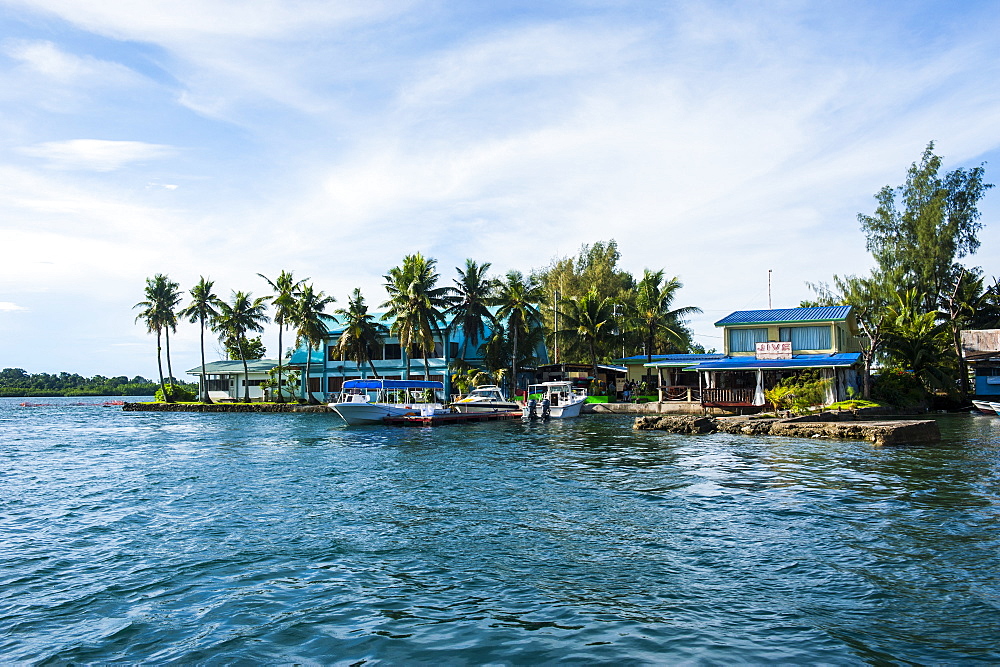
<point>246,371</point>
<point>205,398</point>
<point>427,365</point>
<point>306,389</point>
<point>372,364</point>
<point>280,398</point>
<point>513,366</point>
<point>169,398</point>
<point>159,365</point>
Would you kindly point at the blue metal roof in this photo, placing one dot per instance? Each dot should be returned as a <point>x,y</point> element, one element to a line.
<point>671,360</point>
<point>786,315</point>
<point>298,358</point>
<point>393,384</point>
<point>798,361</point>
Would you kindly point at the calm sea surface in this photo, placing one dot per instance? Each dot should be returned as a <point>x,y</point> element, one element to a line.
<point>163,537</point>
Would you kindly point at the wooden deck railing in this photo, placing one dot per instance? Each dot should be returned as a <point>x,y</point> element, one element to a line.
<point>727,396</point>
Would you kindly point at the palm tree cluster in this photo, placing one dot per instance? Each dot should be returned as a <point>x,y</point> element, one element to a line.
<point>501,318</point>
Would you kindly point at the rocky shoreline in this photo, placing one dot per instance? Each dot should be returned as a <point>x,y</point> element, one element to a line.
<point>826,425</point>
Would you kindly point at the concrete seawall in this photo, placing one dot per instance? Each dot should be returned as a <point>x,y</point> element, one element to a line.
<point>879,433</point>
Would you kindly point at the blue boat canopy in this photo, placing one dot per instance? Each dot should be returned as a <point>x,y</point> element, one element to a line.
<point>393,384</point>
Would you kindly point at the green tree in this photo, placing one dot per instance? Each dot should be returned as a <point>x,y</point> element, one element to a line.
<point>309,319</point>
<point>415,305</point>
<point>469,303</point>
<point>235,319</point>
<point>203,309</point>
<point>159,316</point>
<point>588,319</point>
<point>653,316</point>
<point>916,341</point>
<point>283,298</point>
<point>361,334</point>
<point>518,298</point>
<point>935,225</point>
<point>245,348</point>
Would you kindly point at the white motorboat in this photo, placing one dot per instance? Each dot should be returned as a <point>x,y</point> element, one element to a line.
<point>558,400</point>
<point>371,401</point>
<point>484,398</point>
<point>995,406</point>
<point>984,407</point>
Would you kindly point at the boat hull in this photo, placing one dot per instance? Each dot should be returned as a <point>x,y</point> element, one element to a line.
<point>984,407</point>
<point>361,414</point>
<point>478,407</point>
<point>566,411</point>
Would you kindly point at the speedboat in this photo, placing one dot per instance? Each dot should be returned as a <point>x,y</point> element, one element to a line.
<point>984,407</point>
<point>484,398</point>
<point>371,401</point>
<point>558,400</point>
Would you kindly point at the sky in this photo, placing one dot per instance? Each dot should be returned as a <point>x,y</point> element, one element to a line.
<point>717,141</point>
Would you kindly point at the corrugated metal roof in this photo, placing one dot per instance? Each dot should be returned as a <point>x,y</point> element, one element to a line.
<point>797,361</point>
<point>786,315</point>
<point>675,360</point>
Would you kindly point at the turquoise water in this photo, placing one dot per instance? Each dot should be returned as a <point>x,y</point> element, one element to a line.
<point>234,538</point>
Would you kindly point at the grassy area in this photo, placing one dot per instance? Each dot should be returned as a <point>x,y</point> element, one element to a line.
<point>856,404</point>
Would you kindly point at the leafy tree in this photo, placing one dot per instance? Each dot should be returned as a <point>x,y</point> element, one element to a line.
<point>286,291</point>
<point>245,348</point>
<point>361,333</point>
<point>469,303</point>
<point>518,299</point>
<point>159,316</point>
<point>415,304</point>
<point>235,319</point>
<point>936,225</point>
<point>652,313</point>
<point>588,319</point>
<point>309,319</point>
<point>916,341</point>
<point>204,308</point>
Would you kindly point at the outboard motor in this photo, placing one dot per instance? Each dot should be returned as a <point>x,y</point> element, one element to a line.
<point>546,408</point>
<point>529,410</point>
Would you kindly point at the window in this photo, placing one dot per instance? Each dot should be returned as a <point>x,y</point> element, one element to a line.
<point>745,340</point>
<point>331,353</point>
<point>806,338</point>
<point>453,350</point>
<point>393,351</point>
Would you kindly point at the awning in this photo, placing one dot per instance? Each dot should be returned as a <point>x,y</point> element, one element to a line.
<point>797,362</point>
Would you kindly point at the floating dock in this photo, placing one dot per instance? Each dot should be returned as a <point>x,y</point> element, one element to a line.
<point>453,418</point>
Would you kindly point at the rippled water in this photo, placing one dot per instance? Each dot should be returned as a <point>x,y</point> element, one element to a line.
<point>289,538</point>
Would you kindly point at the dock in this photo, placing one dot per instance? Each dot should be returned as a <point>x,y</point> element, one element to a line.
<point>452,418</point>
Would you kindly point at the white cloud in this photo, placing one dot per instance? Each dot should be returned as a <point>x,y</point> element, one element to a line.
<point>9,306</point>
<point>45,58</point>
<point>97,154</point>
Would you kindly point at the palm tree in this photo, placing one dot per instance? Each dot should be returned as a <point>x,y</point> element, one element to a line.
<point>283,299</point>
<point>518,298</point>
<point>309,319</point>
<point>157,313</point>
<point>653,313</point>
<point>589,319</point>
<point>235,320</point>
<point>416,303</point>
<point>202,309</point>
<point>470,299</point>
<point>361,332</point>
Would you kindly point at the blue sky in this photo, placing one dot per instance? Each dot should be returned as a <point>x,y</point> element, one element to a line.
<point>713,140</point>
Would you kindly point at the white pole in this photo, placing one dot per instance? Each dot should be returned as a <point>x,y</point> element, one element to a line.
<point>769,307</point>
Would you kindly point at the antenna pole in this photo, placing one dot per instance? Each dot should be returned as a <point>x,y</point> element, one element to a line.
<point>769,307</point>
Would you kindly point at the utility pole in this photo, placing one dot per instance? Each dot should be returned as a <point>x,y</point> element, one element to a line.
<point>769,307</point>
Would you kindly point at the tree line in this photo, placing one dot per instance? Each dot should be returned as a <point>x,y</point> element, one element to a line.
<point>16,382</point>
<point>596,309</point>
<point>919,296</point>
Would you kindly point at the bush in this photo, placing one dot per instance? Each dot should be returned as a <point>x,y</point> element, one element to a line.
<point>899,388</point>
<point>177,392</point>
<point>799,392</point>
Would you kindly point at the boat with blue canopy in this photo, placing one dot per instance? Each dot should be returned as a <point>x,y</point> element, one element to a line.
<point>370,401</point>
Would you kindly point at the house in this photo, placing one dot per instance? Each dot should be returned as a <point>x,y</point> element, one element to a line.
<point>762,347</point>
<point>226,380</point>
<point>981,350</point>
<point>328,369</point>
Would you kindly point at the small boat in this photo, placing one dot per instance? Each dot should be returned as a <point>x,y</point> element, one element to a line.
<point>484,398</point>
<point>984,407</point>
<point>371,401</point>
<point>558,400</point>
<point>995,406</point>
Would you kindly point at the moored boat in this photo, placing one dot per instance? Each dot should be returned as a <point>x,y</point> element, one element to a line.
<point>484,398</point>
<point>984,407</point>
<point>371,401</point>
<point>557,399</point>
<point>995,406</point>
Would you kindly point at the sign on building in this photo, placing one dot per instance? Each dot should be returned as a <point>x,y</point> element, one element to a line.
<point>779,350</point>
